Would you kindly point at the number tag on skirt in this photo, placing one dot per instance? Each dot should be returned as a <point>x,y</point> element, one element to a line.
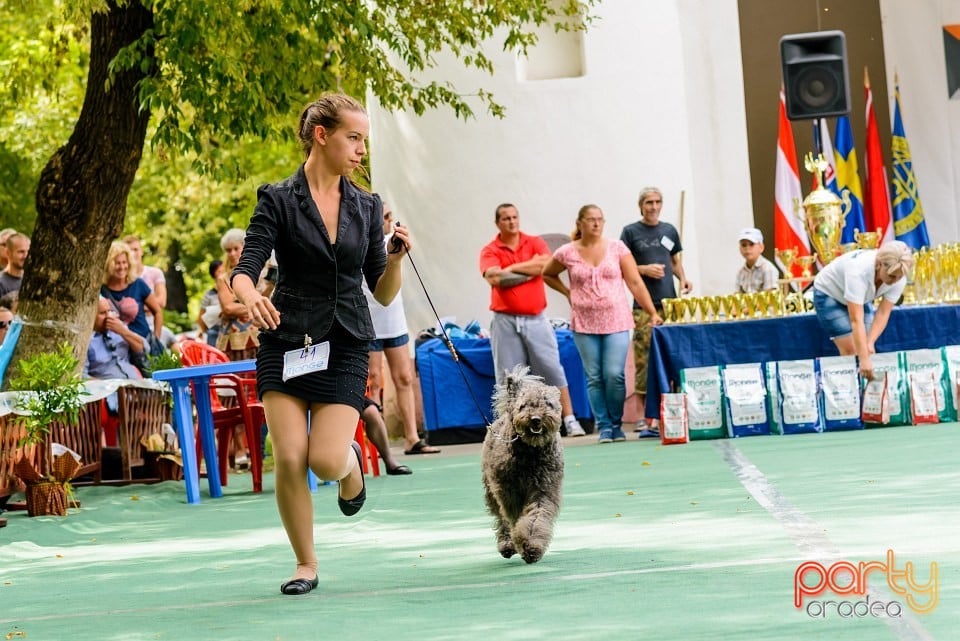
<point>303,360</point>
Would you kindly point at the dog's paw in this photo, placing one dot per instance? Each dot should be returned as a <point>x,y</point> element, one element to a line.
<point>531,553</point>
<point>506,549</point>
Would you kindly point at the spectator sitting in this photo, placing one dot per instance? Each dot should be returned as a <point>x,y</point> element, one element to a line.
<point>110,350</point>
<point>10,300</point>
<point>6,317</point>
<point>18,246</point>
<point>376,431</point>
<point>757,274</point>
<point>111,346</point>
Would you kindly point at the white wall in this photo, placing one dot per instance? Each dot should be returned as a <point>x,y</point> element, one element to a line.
<point>913,48</point>
<point>660,103</point>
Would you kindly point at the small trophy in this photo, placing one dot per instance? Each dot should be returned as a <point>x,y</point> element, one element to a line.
<point>787,257</point>
<point>867,239</point>
<point>668,309</point>
<point>703,302</point>
<point>806,264</point>
<point>731,306</point>
<point>715,303</point>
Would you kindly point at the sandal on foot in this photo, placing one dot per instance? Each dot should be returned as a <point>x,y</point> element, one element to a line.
<point>299,586</point>
<point>400,469</point>
<point>421,447</point>
<point>349,507</point>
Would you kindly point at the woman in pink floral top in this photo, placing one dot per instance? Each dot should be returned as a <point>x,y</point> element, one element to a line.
<point>600,313</point>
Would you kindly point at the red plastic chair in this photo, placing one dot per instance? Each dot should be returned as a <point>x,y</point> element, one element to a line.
<point>369,456</point>
<point>248,411</point>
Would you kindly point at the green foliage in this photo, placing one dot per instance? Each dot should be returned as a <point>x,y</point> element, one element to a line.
<point>167,359</point>
<point>230,79</point>
<point>51,390</point>
<point>177,322</point>
<point>43,72</point>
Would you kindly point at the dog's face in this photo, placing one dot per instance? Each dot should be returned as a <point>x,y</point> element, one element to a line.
<point>536,413</point>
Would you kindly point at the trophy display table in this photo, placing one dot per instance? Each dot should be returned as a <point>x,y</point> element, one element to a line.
<point>677,346</point>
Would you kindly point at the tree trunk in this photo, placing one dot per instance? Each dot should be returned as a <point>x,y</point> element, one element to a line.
<point>82,194</point>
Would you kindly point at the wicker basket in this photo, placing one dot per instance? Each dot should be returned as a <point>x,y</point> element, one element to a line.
<point>47,498</point>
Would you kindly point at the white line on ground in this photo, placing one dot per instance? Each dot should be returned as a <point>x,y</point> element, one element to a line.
<point>807,534</point>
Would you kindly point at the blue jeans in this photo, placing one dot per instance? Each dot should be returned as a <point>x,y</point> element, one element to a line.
<point>604,359</point>
<point>834,317</point>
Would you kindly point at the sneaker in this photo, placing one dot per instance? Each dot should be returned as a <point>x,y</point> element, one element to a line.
<point>650,432</point>
<point>574,428</point>
<point>606,436</point>
<point>640,426</point>
<point>618,435</point>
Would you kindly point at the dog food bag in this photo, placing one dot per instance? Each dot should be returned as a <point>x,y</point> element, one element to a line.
<point>951,360</point>
<point>876,402</point>
<point>797,397</point>
<point>839,393</point>
<point>673,419</point>
<point>889,365</point>
<point>924,391</point>
<point>705,402</point>
<point>931,360</point>
<point>746,396</point>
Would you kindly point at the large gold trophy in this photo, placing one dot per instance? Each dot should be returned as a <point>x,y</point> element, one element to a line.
<point>823,213</point>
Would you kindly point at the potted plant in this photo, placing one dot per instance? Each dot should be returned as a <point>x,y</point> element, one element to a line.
<point>49,389</point>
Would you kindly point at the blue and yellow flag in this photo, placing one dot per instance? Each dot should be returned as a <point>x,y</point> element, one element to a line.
<point>848,180</point>
<point>908,222</point>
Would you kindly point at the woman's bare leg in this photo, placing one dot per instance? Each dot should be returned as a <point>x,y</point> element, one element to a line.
<point>287,417</point>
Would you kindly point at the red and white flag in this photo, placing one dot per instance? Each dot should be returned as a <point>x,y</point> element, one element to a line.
<point>788,230</point>
<point>876,192</point>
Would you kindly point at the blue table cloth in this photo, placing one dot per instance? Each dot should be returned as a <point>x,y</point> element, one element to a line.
<point>447,401</point>
<point>675,347</point>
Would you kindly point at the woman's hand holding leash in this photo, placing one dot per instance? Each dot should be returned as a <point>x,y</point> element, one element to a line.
<point>400,243</point>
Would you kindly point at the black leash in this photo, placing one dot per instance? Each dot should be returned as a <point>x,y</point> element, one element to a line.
<point>445,338</point>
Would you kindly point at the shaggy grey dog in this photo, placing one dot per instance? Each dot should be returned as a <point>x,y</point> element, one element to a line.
<point>522,463</point>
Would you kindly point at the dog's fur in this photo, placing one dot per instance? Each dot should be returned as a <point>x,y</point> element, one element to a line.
<point>522,463</point>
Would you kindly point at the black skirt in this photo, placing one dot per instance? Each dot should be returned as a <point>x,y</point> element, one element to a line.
<point>343,382</point>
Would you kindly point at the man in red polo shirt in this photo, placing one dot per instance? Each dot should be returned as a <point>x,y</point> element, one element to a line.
<point>520,334</point>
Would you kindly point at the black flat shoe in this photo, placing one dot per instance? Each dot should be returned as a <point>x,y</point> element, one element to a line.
<point>299,586</point>
<point>400,469</point>
<point>349,507</point>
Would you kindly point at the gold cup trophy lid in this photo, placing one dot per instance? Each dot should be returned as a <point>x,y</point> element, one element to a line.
<point>821,196</point>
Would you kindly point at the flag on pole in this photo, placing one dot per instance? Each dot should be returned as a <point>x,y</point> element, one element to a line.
<point>876,204</point>
<point>788,231</point>
<point>825,148</point>
<point>848,181</point>
<point>908,222</point>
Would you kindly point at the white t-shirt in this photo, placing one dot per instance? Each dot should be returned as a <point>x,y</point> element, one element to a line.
<point>389,321</point>
<point>850,278</point>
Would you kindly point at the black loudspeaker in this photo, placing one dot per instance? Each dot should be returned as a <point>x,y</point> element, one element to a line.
<point>815,74</point>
